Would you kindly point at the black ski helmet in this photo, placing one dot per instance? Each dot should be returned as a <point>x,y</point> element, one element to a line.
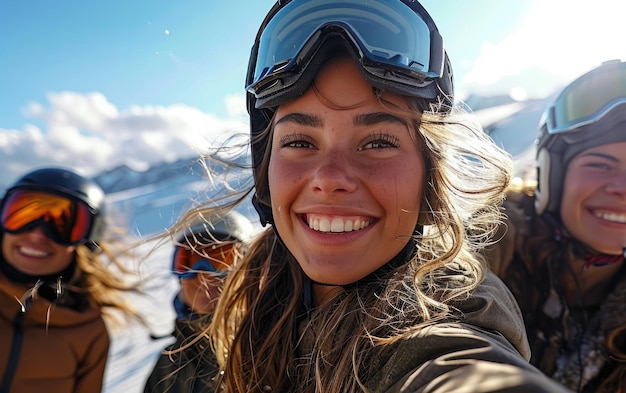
<point>589,112</point>
<point>65,182</point>
<point>234,226</point>
<point>396,45</point>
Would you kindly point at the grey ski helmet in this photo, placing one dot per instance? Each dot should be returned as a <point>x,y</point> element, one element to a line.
<point>589,112</point>
<point>234,226</point>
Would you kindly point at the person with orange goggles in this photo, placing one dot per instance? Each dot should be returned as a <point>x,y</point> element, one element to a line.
<point>203,256</point>
<point>55,283</point>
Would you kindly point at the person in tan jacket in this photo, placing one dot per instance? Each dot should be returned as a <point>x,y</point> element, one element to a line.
<point>55,284</point>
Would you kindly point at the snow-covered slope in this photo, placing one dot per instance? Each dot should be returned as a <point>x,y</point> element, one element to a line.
<point>135,348</point>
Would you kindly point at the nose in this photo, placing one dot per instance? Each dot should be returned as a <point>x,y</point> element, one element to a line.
<point>37,232</point>
<point>335,173</point>
<point>617,186</point>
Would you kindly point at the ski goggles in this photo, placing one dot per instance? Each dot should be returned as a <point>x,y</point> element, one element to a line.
<point>215,259</point>
<point>65,220</point>
<point>589,99</point>
<point>396,44</point>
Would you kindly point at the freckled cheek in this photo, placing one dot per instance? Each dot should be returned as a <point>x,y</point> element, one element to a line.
<point>283,178</point>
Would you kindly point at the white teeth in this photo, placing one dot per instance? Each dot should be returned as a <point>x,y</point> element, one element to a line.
<point>324,225</point>
<point>611,216</point>
<point>32,252</point>
<point>336,225</point>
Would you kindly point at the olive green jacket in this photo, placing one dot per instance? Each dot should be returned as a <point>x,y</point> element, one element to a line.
<point>485,352</point>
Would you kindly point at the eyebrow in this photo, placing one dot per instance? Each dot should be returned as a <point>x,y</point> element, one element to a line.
<point>366,119</point>
<point>369,119</point>
<point>301,119</point>
<point>600,155</point>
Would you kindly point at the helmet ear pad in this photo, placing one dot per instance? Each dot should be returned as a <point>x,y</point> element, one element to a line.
<point>99,226</point>
<point>550,174</point>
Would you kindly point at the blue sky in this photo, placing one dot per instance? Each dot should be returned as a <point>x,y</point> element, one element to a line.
<point>96,84</point>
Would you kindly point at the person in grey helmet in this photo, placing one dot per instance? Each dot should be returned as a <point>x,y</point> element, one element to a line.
<point>563,251</point>
<point>56,285</point>
<point>203,255</point>
<point>377,193</point>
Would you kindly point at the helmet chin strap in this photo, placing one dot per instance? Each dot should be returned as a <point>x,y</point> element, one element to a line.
<point>598,260</point>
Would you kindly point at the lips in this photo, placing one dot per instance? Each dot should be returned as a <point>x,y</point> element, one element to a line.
<point>336,224</point>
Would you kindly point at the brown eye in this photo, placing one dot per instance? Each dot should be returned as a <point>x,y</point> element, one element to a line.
<point>296,141</point>
<point>381,141</point>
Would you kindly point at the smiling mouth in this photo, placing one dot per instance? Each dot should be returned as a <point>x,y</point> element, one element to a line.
<point>610,216</point>
<point>336,224</point>
<point>31,252</point>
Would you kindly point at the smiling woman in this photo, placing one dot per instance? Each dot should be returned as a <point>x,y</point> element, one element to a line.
<point>57,285</point>
<point>326,145</point>
<point>564,253</point>
<point>378,193</point>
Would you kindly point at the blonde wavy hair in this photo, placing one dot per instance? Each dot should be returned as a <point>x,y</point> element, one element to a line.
<point>106,281</point>
<point>260,320</point>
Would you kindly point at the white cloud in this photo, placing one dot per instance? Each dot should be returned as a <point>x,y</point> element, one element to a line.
<point>90,134</point>
<point>236,107</point>
<point>558,41</point>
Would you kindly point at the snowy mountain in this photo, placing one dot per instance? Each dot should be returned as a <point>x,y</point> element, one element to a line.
<point>149,202</point>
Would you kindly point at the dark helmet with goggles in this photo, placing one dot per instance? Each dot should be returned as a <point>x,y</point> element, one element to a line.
<point>211,247</point>
<point>589,112</point>
<point>234,226</point>
<point>69,207</point>
<point>395,43</point>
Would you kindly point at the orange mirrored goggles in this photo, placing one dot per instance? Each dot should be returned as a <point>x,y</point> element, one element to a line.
<point>216,259</point>
<point>65,220</point>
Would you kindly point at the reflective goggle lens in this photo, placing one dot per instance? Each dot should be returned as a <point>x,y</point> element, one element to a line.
<point>387,32</point>
<point>588,99</point>
<point>214,259</point>
<point>65,220</point>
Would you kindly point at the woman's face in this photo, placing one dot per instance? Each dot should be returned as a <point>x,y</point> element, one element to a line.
<point>345,175</point>
<point>201,292</point>
<point>33,253</point>
<point>593,207</point>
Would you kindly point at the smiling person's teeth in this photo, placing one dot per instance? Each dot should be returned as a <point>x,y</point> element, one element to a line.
<point>609,216</point>
<point>32,252</point>
<point>336,224</point>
